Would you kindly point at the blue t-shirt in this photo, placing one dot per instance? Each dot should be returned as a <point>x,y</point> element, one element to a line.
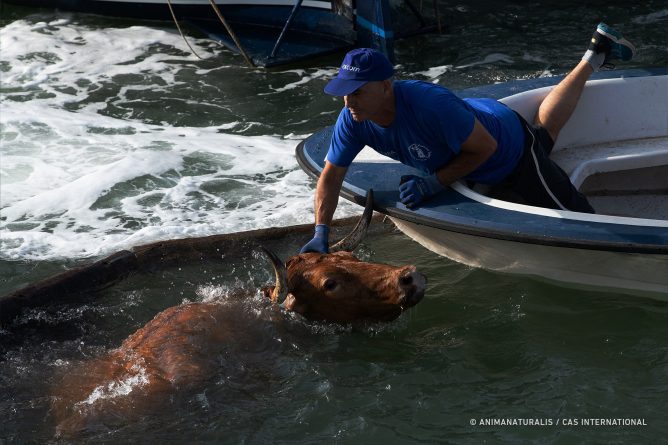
<point>429,127</point>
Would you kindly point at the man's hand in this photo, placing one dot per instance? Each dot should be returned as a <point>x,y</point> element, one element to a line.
<point>320,241</point>
<point>415,189</point>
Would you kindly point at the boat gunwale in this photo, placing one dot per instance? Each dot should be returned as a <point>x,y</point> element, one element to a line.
<point>488,232</point>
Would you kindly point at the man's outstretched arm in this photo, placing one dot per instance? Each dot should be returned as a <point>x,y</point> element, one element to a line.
<point>326,200</point>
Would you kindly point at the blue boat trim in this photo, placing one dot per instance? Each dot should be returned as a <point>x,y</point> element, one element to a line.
<point>375,28</point>
<point>455,212</point>
<point>452,211</point>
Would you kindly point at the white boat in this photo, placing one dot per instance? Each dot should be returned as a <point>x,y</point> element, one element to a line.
<point>615,149</point>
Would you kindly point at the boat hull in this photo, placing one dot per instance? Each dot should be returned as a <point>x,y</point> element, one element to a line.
<point>622,272</point>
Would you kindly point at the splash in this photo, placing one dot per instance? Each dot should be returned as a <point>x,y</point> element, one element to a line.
<point>117,388</point>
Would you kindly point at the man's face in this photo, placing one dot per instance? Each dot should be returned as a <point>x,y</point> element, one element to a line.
<point>368,101</point>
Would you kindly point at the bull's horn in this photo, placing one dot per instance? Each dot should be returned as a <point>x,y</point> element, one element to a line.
<point>281,288</point>
<point>352,240</point>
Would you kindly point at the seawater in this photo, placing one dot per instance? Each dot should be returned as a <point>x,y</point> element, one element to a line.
<point>114,135</point>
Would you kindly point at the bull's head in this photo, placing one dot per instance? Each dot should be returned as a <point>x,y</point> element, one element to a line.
<point>339,287</point>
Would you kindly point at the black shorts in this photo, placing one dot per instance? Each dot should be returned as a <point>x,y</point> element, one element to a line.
<point>539,181</point>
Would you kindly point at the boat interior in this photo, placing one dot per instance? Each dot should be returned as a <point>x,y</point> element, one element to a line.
<point>616,155</point>
<point>627,178</point>
<point>624,178</point>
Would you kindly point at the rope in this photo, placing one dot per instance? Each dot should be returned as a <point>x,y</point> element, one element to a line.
<point>176,22</point>
<point>296,6</point>
<point>231,33</point>
<point>438,17</point>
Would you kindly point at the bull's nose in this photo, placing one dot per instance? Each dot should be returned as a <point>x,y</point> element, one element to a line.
<point>413,284</point>
<point>409,276</point>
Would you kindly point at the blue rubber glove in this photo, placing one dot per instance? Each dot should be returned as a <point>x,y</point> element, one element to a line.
<point>415,189</point>
<point>320,241</point>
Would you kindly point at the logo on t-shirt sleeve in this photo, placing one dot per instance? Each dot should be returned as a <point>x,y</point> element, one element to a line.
<point>419,152</point>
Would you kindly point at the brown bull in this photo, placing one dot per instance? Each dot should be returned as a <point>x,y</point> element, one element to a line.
<point>180,346</point>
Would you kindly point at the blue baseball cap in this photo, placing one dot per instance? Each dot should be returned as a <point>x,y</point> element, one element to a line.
<point>360,66</point>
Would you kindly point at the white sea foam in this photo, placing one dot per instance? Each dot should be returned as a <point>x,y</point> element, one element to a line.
<point>534,58</point>
<point>654,17</point>
<point>78,183</point>
<point>44,53</point>
<point>304,78</point>
<point>489,59</point>
<point>58,194</point>
<point>436,71</point>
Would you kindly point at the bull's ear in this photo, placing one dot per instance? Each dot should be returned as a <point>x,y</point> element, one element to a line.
<point>291,262</point>
<point>292,304</point>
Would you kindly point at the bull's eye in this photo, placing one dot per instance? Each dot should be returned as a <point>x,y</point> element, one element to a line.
<point>329,284</point>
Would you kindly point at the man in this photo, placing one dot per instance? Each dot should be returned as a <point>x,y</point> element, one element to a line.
<point>427,127</point>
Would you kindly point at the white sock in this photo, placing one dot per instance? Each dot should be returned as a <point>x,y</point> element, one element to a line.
<point>595,59</point>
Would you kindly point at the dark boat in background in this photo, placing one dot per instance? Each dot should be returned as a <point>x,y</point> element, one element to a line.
<point>274,32</point>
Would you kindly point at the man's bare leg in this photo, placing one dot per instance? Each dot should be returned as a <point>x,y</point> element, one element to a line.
<point>558,106</point>
<point>606,45</point>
